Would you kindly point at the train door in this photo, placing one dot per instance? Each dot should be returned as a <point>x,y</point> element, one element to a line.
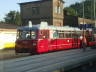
<point>53,40</point>
<point>43,41</point>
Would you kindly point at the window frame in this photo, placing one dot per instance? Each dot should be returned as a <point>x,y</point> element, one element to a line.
<point>37,10</point>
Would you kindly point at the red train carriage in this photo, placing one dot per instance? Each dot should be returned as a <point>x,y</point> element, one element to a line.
<point>44,38</point>
<point>95,38</point>
<point>90,36</point>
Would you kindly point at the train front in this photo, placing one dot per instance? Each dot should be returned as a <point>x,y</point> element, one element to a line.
<point>26,41</point>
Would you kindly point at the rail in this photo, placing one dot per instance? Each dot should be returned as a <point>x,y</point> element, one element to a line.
<point>49,62</point>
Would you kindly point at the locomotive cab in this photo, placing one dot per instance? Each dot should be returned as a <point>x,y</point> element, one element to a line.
<point>32,39</point>
<point>26,40</point>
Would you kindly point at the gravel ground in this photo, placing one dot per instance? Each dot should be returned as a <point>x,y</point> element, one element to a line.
<point>10,54</point>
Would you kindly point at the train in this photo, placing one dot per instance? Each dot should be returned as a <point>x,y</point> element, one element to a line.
<point>42,38</point>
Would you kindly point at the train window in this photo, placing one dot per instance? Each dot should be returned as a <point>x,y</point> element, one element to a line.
<point>41,35</point>
<point>44,34</point>
<point>33,35</point>
<point>74,35</point>
<point>64,35</point>
<point>61,35</point>
<point>55,34</point>
<point>79,33</point>
<point>26,34</point>
<point>67,35</point>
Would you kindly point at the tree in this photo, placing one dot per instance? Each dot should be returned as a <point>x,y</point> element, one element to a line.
<point>88,9</point>
<point>17,18</point>
<point>2,22</point>
<point>13,17</point>
<point>71,11</point>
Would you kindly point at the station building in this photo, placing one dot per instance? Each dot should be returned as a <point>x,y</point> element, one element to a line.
<point>43,10</point>
<point>7,36</point>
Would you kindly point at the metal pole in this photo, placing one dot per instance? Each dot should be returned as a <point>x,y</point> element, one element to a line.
<point>94,12</point>
<point>83,12</point>
<point>83,17</point>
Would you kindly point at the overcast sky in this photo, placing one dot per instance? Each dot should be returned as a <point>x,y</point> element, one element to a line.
<point>8,5</point>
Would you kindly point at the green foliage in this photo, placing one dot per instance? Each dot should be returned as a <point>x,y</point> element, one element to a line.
<point>71,11</point>
<point>17,19</point>
<point>88,9</point>
<point>13,17</point>
<point>2,22</point>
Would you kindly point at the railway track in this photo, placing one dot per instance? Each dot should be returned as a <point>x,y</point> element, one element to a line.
<point>49,62</point>
<point>10,54</point>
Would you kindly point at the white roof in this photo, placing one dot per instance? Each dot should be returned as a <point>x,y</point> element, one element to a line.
<point>44,25</point>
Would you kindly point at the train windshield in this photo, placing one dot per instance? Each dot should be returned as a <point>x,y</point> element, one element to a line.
<point>25,35</point>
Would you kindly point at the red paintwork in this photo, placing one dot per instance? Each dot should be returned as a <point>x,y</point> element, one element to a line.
<point>45,45</point>
<point>42,45</point>
<point>27,45</point>
<point>64,43</point>
<point>91,43</point>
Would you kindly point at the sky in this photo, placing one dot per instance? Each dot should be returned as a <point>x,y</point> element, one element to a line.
<point>8,5</point>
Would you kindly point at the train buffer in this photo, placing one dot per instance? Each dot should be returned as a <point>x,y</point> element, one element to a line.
<point>49,62</point>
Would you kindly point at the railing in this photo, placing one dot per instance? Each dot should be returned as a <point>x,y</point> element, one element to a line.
<point>49,62</point>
